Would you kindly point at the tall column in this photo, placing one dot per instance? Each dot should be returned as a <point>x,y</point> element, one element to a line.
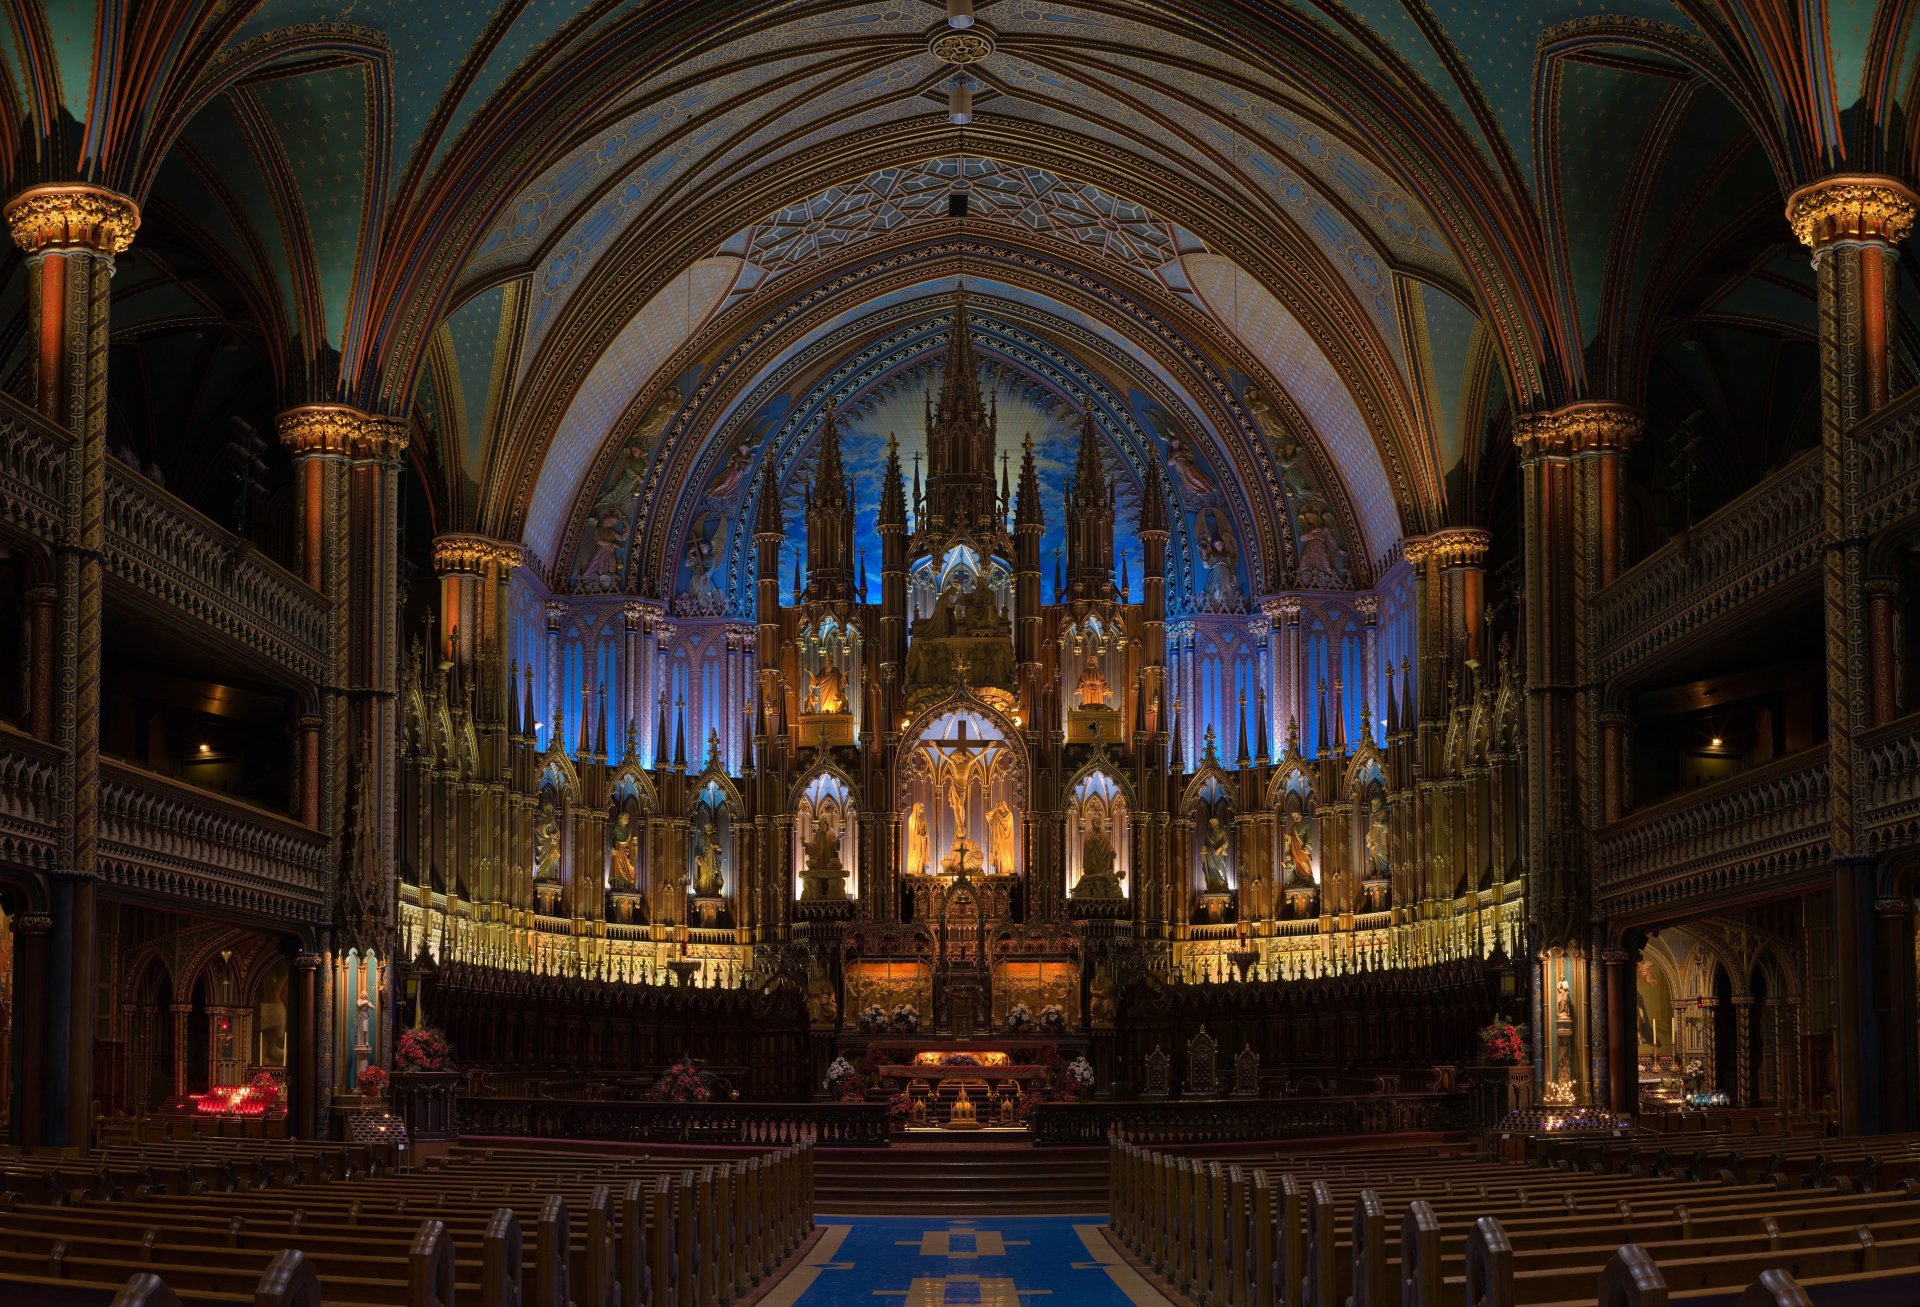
<point>70,234</point>
<point>305,1046</point>
<point>1883,598</point>
<point>182,1019</point>
<point>42,609</point>
<point>1894,1004</point>
<point>1570,468</point>
<point>30,932</point>
<point>347,466</point>
<point>1613,766</point>
<point>1852,224</point>
<point>1623,1062</point>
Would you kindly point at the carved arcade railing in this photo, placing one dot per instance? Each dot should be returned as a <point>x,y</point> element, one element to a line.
<point>1768,823</point>
<point>1890,759</point>
<point>1766,538</point>
<point>29,777</point>
<point>166,551</point>
<point>166,837</point>
<point>170,553</point>
<point>1769,537</point>
<point>32,461</point>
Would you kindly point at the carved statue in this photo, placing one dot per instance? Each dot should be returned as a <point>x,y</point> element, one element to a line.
<point>624,858</point>
<point>1000,856</point>
<point>546,844</point>
<point>823,844</point>
<point>1563,1001</point>
<point>1219,558</point>
<point>919,846</point>
<point>1216,856</point>
<point>1377,836</point>
<point>822,1008</point>
<point>710,869</point>
<point>1299,851</point>
<point>1093,691</point>
<point>1100,1004</point>
<point>1097,878</point>
<point>826,690</point>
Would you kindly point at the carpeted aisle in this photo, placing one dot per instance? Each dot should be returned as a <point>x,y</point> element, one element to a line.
<point>899,1261</point>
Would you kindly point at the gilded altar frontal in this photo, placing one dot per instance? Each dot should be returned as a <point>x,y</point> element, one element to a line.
<point>930,580</point>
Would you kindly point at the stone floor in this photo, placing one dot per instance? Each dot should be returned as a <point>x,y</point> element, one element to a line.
<point>1028,1261</point>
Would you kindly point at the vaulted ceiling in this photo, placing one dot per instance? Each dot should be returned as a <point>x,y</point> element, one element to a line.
<point>612,258</point>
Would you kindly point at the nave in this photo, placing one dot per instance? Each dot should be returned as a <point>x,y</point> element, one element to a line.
<point>1518,1218</point>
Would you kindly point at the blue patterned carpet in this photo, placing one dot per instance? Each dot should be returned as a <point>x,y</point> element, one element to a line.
<point>1028,1261</point>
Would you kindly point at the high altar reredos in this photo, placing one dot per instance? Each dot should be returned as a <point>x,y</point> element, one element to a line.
<point>917,816</point>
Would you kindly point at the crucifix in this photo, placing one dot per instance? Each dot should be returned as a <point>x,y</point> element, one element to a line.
<point>959,761</point>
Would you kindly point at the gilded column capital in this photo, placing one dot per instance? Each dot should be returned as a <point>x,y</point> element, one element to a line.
<point>72,216</point>
<point>340,430</point>
<point>1454,546</point>
<point>1594,427</point>
<point>1851,207</point>
<point>320,429</point>
<point>462,551</point>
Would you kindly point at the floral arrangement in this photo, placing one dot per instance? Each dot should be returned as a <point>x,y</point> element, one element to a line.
<point>873,1019</point>
<point>373,1082</point>
<point>1053,1018</point>
<point>683,1082</point>
<point>1019,1017</point>
<point>422,1049</point>
<point>905,1019</point>
<point>844,1082</point>
<point>1079,1075</point>
<point>900,1106</point>
<point>1503,1043</point>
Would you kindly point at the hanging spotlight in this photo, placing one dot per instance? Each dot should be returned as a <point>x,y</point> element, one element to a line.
<point>959,102</point>
<point>959,13</point>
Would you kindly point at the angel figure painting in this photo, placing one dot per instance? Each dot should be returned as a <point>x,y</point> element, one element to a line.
<point>1219,556</point>
<point>706,552</point>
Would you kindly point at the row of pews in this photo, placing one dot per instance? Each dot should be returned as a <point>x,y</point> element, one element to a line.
<point>1613,1223</point>
<point>290,1224</point>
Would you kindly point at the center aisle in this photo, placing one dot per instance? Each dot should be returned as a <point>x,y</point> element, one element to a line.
<point>906,1261</point>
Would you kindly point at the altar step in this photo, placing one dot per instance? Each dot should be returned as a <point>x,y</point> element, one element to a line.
<point>952,1179</point>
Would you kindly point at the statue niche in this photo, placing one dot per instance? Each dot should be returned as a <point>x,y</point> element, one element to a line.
<point>548,825</point>
<point>1097,839</point>
<point>709,852</point>
<point>824,825</point>
<point>1093,712</point>
<point>1213,819</point>
<point>626,903</point>
<point>829,664</point>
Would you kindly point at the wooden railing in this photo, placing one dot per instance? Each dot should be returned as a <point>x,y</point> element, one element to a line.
<point>1771,536</point>
<point>33,465</point>
<point>29,780</point>
<point>1222,1120</point>
<point>1890,759</point>
<point>772,1124</point>
<point>1766,538</point>
<point>164,836</point>
<point>1771,822</point>
<point>168,553</point>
